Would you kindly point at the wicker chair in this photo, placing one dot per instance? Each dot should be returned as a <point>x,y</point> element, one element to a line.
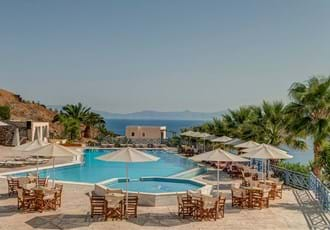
<point>12,186</point>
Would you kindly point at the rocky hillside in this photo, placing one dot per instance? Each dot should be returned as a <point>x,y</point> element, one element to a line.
<point>21,109</point>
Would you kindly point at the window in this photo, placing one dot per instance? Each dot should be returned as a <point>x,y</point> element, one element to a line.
<point>143,134</point>
<point>132,134</point>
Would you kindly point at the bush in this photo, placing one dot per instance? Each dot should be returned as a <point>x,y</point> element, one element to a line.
<point>296,167</point>
<point>4,113</point>
<point>174,141</point>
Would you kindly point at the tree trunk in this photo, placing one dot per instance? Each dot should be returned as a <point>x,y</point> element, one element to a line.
<point>87,132</point>
<point>317,167</point>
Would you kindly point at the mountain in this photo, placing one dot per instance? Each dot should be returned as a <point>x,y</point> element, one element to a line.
<point>155,115</point>
<point>24,110</point>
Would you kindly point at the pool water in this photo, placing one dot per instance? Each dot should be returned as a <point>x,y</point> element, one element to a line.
<point>159,185</point>
<point>94,171</point>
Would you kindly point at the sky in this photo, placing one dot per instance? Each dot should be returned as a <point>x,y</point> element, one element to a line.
<point>127,56</point>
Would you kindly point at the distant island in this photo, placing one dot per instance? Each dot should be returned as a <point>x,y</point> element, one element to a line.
<point>155,115</point>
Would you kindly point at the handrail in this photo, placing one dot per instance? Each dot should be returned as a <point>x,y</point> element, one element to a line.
<point>291,178</point>
<point>307,182</point>
<point>322,193</point>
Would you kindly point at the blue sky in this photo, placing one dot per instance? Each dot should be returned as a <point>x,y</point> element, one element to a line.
<point>124,56</point>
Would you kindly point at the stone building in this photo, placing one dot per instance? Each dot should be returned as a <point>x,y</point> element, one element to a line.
<point>146,134</point>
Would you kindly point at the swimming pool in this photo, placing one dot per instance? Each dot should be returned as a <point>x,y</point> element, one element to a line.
<point>94,171</point>
<point>156,185</point>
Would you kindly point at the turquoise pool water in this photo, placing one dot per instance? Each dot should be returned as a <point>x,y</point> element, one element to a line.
<point>93,170</point>
<point>157,185</point>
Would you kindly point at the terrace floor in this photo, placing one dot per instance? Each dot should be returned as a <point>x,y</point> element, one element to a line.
<point>296,210</point>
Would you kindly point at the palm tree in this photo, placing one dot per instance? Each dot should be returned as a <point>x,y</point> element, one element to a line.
<point>71,127</point>
<point>310,112</point>
<point>77,111</point>
<point>237,123</point>
<point>272,126</point>
<point>82,115</point>
<point>92,120</point>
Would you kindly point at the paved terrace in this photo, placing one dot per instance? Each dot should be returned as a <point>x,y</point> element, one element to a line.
<point>296,210</point>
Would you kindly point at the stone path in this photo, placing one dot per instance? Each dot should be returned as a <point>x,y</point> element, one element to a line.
<point>312,211</point>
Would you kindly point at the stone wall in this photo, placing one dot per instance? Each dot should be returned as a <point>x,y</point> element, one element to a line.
<point>7,132</point>
<point>145,141</point>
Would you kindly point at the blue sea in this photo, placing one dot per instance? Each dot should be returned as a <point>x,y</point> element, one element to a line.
<point>174,126</point>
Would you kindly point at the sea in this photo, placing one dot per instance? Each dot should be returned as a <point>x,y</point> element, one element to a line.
<point>174,127</point>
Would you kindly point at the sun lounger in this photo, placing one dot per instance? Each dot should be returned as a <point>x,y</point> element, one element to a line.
<point>14,163</point>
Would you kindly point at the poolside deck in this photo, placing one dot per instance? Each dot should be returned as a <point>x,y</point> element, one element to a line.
<point>287,213</point>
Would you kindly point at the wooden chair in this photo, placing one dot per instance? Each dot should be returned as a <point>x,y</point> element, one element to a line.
<point>272,186</point>
<point>45,201</point>
<point>25,202</point>
<point>58,195</point>
<point>12,186</point>
<point>98,206</point>
<point>188,207</point>
<point>43,182</point>
<point>115,208</point>
<point>131,209</point>
<point>260,198</point>
<point>239,198</point>
<point>279,189</point>
<point>207,209</point>
<point>221,206</point>
<point>180,204</point>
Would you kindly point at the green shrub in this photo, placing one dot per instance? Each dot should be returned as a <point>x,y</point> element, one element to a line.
<point>296,167</point>
<point>4,113</point>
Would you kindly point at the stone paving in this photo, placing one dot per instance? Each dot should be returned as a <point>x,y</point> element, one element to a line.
<point>74,214</point>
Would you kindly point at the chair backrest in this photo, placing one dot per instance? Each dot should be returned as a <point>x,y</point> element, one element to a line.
<point>12,182</point>
<point>222,200</point>
<point>58,190</point>
<point>115,191</point>
<point>209,202</point>
<point>236,192</point>
<point>20,193</point>
<point>43,181</point>
<point>257,193</point>
<point>179,199</point>
<point>235,185</point>
<point>114,199</point>
<point>99,190</point>
<point>274,179</point>
<point>194,194</point>
<point>22,181</point>
<point>254,183</point>
<point>98,205</point>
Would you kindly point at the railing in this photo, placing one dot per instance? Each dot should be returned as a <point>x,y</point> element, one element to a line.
<point>322,193</point>
<point>304,181</point>
<point>291,178</point>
